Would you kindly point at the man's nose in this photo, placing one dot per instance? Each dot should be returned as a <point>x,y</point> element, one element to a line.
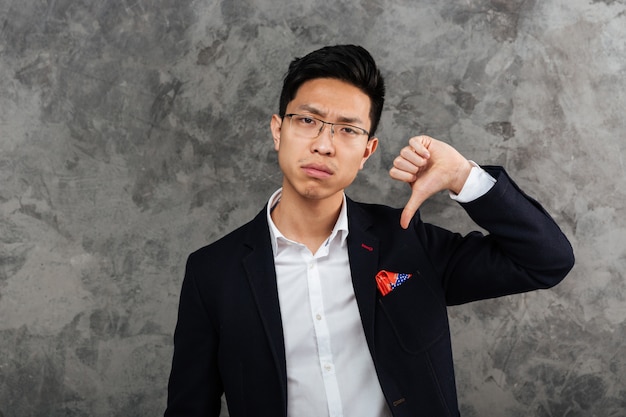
<point>324,142</point>
<point>331,128</point>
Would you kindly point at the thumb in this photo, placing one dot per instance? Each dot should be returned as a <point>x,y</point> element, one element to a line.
<point>411,207</point>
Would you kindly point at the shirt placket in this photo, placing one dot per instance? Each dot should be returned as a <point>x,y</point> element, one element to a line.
<point>322,336</point>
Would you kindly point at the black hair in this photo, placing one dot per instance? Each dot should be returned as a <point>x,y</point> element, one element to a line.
<point>349,63</point>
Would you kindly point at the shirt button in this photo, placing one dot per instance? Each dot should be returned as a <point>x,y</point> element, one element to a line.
<point>318,317</point>
<point>311,265</point>
<point>328,368</point>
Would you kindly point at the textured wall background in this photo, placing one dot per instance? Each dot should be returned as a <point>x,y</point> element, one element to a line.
<point>133,132</point>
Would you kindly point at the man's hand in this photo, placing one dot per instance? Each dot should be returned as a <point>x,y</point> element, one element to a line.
<point>428,166</point>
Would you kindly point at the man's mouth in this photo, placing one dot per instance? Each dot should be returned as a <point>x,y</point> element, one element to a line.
<point>317,170</point>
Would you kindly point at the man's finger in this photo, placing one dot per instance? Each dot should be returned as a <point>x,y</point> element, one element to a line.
<point>411,208</point>
<point>420,145</point>
<point>402,175</point>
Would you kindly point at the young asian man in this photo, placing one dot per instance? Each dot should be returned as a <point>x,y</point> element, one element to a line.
<point>322,306</point>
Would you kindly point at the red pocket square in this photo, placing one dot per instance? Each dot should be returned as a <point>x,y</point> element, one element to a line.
<point>388,281</point>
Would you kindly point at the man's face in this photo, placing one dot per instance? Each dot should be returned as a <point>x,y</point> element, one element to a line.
<point>322,167</point>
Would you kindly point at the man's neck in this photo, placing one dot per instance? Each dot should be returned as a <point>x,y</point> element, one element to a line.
<point>307,221</point>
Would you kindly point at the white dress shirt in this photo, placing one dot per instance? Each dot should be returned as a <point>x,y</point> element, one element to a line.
<point>330,371</point>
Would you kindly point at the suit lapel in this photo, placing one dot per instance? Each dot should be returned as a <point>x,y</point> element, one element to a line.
<point>363,251</point>
<point>261,274</point>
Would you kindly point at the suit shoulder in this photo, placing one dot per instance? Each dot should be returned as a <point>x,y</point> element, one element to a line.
<point>376,208</point>
<point>379,213</point>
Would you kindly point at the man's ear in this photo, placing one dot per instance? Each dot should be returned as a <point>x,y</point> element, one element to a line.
<point>276,125</point>
<point>370,148</point>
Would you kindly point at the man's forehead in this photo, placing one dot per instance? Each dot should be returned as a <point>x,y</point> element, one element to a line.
<point>340,115</point>
<point>329,96</point>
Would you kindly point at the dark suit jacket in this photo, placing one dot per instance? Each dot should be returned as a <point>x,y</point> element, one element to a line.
<point>229,335</point>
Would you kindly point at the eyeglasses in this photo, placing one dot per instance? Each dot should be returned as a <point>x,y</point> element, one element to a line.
<point>311,127</point>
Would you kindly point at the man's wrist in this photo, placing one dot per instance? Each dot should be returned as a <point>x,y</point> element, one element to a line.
<point>477,184</point>
<point>462,176</point>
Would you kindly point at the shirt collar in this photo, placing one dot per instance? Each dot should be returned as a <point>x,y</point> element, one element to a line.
<point>340,229</point>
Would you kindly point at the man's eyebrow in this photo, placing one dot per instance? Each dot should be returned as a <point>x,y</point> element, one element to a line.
<point>315,111</point>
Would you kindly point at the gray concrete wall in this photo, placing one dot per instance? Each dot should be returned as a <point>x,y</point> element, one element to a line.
<point>133,132</point>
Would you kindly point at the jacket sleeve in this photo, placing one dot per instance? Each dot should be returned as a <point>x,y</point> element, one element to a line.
<point>523,251</point>
<point>195,388</point>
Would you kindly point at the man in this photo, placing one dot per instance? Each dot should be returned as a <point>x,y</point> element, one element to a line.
<point>322,306</point>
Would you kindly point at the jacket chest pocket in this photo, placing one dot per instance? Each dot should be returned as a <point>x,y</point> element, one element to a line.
<point>416,314</point>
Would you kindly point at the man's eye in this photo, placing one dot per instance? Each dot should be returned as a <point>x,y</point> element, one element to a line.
<point>348,130</point>
<point>306,120</point>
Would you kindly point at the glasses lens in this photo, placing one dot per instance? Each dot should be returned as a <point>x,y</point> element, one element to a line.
<point>306,126</point>
<point>349,132</point>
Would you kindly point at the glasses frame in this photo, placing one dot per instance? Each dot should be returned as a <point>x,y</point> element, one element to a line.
<point>324,123</point>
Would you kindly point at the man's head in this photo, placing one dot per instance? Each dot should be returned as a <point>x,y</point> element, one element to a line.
<point>348,63</point>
